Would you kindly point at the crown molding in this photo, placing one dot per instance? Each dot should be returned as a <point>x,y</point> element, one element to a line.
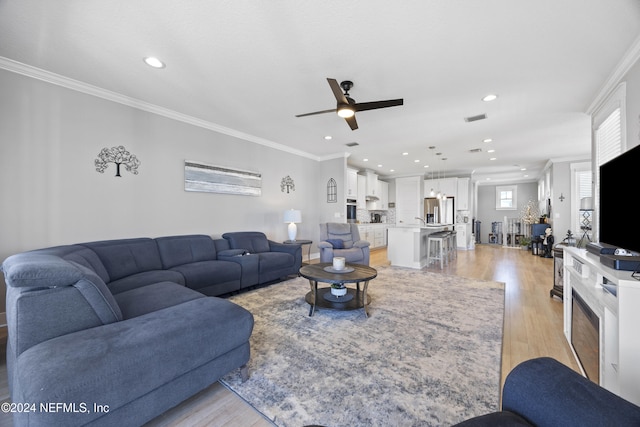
<point>78,86</point>
<point>631,56</point>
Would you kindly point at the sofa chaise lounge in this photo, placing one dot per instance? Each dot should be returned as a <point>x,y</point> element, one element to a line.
<point>117,332</point>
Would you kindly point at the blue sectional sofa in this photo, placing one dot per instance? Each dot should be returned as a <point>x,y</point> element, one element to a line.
<point>131,326</point>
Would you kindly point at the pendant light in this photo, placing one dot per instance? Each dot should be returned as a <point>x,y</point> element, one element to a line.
<point>432,192</point>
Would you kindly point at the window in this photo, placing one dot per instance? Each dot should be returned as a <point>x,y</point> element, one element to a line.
<point>506,197</point>
<point>581,187</point>
<point>609,130</point>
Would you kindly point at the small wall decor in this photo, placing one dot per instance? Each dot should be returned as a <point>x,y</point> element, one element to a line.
<point>332,191</point>
<point>206,178</point>
<point>287,184</point>
<point>120,156</point>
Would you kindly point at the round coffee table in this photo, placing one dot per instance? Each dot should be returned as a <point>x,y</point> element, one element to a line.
<point>354,299</point>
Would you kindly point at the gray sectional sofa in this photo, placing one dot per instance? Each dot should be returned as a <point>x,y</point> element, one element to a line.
<point>117,332</point>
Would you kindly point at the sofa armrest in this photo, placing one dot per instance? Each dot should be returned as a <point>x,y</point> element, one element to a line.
<point>361,244</point>
<point>547,393</point>
<point>281,247</point>
<point>294,250</point>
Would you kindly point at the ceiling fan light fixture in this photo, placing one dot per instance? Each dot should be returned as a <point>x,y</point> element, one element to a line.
<point>346,111</point>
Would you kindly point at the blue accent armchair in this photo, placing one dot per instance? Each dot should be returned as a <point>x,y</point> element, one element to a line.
<point>543,392</point>
<point>340,239</point>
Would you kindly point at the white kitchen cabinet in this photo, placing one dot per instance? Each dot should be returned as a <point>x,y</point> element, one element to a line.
<point>463,235</point>
<point>372,184</point>
<point>462,195</point>
<point>362,188</point>
<point>382,202</point>
<point>409,200</point>
<point>352,184</point>
<point>379,236</point>
<point>366,233</point>
<point>449,186</point>
<point>375,234</point>
<point>384,195</point>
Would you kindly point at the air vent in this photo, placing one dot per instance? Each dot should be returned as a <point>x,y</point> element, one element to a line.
<point>475,150</point>
<point>475,118</point>
<point>352,144</point>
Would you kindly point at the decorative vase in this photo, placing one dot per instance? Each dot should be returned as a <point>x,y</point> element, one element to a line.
<point>339,292</point>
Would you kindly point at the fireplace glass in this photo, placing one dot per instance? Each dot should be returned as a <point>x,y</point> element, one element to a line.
<point>585,337</point>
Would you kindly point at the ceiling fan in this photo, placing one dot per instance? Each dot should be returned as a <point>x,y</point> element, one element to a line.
<point>347,106</point>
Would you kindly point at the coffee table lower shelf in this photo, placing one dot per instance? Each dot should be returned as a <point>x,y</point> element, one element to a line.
<point>353,304</point>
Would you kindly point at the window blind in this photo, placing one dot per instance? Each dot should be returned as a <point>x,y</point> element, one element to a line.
<point>608,138</point>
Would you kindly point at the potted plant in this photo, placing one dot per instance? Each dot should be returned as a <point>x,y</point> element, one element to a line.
<point>338,289</point>
<point>525,242</point>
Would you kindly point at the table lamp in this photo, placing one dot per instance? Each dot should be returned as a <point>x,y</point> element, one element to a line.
<point>292,217</point>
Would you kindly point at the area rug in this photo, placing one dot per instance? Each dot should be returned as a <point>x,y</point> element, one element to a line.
<point>429,354</point>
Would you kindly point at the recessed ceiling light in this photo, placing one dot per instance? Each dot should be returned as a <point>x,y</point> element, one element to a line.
<point>154,62</point>
<point>416,161</point>
<point>487,140</point>
<point>490,97</point>
<point>379,166</point>
<point>492,158</point>
<point>405,154</point>
<point>328,137</point>
<point>365,160</point>
<point>491,151</point>
<point>392,170</point>
<point>523,169</point>
<point>426,166</point>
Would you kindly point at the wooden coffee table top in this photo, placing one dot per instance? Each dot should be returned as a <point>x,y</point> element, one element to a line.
<point>360,273</point>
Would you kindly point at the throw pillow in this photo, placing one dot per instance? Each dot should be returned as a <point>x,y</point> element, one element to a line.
<point>336,243</point>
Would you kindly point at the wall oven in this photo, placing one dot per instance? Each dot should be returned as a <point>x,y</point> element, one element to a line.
<point>351,210</point>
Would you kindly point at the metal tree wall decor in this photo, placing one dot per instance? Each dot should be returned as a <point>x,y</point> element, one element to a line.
<point>287,184</point>
<point>120,156</point>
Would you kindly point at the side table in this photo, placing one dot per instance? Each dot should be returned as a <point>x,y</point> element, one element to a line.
<point>301,242</point>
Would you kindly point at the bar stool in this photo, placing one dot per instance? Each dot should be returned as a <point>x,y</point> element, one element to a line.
<point>437,247</point>
<point>453,244</point>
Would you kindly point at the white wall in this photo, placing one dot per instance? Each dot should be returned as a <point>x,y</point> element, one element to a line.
<point>632,78</point>
<point>52,194</point>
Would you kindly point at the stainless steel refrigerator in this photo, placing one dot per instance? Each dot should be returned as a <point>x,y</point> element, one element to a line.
<point>439,211</point>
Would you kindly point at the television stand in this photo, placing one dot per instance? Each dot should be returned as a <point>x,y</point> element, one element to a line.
<point>614,297</point>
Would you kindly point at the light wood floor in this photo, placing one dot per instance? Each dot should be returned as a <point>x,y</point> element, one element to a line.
<point>532,328</point>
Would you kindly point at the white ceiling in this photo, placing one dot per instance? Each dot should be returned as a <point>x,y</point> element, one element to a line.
<point>248,67</point>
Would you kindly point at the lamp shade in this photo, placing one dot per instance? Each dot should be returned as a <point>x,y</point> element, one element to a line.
<point>292,215</point>
<point>586,204</point>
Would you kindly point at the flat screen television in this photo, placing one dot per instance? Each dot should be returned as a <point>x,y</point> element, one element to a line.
<point>619,178</point>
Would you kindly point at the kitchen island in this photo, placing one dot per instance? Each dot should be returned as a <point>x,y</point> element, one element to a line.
<point>407,246</point>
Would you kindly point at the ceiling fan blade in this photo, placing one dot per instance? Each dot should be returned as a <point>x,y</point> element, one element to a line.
<point>352,122</point>
<point>337,92</point>
<point>333,110</point>
<point>364,106</point>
